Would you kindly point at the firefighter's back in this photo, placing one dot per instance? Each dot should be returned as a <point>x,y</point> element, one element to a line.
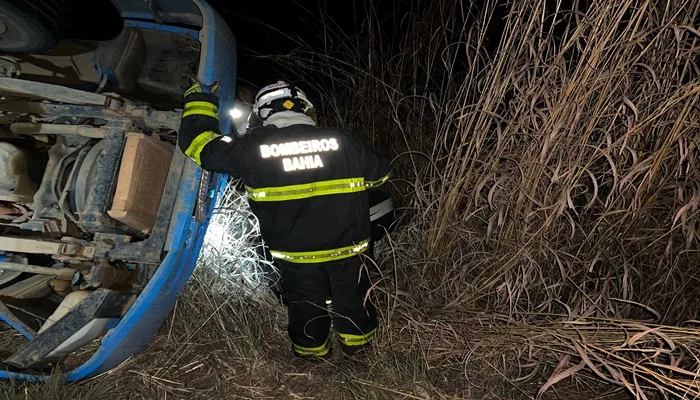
<point>306,186</point>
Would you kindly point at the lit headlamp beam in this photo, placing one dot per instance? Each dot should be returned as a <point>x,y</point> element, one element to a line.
<point>236,113</point>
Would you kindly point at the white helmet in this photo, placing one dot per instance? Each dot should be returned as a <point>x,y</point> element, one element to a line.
<point>281,96</point>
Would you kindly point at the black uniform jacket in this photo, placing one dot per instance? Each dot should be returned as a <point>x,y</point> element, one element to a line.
<point>307,186</point>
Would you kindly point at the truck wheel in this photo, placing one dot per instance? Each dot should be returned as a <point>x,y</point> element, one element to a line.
<point>32,26</point>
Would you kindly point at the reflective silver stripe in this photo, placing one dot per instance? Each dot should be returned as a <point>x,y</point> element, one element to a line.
<point>381,209</point>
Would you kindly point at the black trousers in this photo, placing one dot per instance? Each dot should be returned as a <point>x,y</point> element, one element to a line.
<point>308,286</point>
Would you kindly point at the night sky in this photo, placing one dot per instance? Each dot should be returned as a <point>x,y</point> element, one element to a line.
<point>261,28</point>
<point>266,27</point>
<point>275,27</point>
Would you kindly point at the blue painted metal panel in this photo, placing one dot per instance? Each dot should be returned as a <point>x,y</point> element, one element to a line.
<point>18,326</point>
<point>146,316</point>
<point>21,377</point>
<point>140,9</point>
<point>164,28</point>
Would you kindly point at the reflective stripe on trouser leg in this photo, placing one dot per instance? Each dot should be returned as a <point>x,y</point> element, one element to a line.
<point>306,288</point>
<point>319,351</point>
<point>356,340</point>
<point>354,314</point>
<point>321,256</point>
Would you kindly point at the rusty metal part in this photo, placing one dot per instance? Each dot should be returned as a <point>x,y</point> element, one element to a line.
<point>107,276</point>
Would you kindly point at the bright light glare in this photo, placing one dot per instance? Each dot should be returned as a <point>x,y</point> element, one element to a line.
<point>233,249</point>
<point>236,113</point>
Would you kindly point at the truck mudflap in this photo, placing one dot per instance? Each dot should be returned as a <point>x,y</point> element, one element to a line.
<point>134,331</point>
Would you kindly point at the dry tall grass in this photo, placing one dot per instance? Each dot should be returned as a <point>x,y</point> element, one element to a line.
<point>547,154</point>
<point>547,158</point>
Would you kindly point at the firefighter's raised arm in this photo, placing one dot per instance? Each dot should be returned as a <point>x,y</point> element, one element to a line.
<point>199,136</point>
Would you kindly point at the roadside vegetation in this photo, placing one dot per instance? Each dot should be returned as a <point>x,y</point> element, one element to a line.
<point>546,161</point>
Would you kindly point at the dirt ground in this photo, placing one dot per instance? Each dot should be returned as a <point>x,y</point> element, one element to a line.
<point>215,346</point>
<point>240,353</point>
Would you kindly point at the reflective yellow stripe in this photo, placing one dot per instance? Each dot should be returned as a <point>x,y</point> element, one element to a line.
<point>356,340</point>
<point>201,105</point>
<point>306,190</point>
<point>195,149</point>
<point>311,257</point>
<point>200,112</point>
<point>196,88</point>
<point>201,108</point>
<point>378,182</point>
<point>321,350</point>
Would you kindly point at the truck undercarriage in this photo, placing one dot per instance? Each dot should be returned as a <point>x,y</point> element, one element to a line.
<point>92,189</point>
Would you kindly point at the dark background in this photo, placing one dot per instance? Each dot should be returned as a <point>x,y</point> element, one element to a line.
<point>277,27</point>
<point>261,28</point>
<point>274,27</point>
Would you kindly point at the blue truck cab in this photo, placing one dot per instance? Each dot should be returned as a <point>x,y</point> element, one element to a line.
<point>102,217</point>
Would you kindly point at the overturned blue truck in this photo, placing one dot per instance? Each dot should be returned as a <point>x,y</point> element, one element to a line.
<point>101,218</point>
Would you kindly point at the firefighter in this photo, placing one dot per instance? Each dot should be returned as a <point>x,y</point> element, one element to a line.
<point>309,187</point>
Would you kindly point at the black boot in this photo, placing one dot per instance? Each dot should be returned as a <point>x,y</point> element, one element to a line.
<point>353,351</point>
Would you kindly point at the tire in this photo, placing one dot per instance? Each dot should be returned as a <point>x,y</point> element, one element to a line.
<point>33,26</point>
